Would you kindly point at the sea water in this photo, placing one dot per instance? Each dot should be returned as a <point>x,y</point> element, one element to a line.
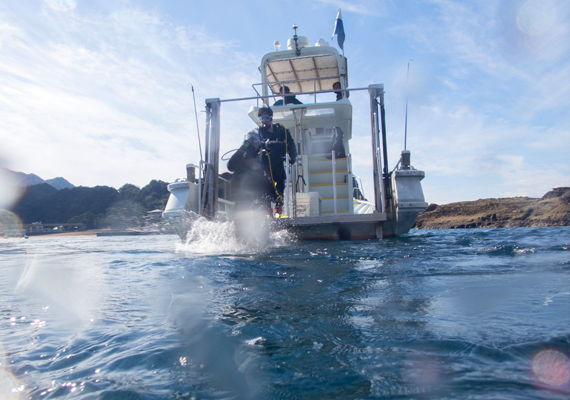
<point>442,314</point>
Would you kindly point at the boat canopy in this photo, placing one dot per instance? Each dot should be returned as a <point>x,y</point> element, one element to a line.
<point>315,69</point>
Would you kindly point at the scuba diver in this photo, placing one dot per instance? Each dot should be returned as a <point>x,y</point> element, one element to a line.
<point>276,143</point>
<point>251,191</point>
<point>249,185</point>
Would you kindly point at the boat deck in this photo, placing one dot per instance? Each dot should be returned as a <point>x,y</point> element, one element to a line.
<point>338,219</point>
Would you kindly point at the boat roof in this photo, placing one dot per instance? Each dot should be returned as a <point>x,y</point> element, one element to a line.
<point>314,68</point>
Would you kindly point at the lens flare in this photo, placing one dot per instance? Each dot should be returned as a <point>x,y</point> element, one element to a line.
<point>10,225</point>
<point>551,367</point>
<point>62,5</point>
<point>9,388</point>
<point>10,191</point>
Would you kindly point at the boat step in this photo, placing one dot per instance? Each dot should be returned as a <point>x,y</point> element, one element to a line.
<point>329,172</point>
<point>326,159</point>
<point>326,189</point>
<point>330,184</point>
<point>321,178</point>
<point>325,165</point>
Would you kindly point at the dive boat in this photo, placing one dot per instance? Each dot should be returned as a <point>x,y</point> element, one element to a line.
<point>323,200</point>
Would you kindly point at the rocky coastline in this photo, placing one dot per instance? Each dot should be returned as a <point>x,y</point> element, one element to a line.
<point>553,209</point>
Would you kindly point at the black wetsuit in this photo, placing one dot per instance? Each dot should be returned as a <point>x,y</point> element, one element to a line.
<point>250,186</point>
<point>280,143</point>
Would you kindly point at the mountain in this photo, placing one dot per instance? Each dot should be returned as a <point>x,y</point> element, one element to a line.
<point>23,179</point>
<point>553,209</point>
<point>96,207</point>
<point>59,183</point>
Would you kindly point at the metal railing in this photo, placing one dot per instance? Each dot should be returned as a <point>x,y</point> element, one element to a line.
<point>382,185</point>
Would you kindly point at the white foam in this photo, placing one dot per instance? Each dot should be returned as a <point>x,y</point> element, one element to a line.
<point>217,237</point>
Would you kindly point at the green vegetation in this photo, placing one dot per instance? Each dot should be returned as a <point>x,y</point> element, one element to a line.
<point>97,207</point>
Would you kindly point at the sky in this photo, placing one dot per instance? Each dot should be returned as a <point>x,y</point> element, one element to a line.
<point>99,91</point>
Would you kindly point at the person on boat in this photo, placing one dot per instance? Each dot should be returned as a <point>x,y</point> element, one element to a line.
<point>277,142</point>
<point>338,92</point>
<point>249,185</point>
<point>291,99</point>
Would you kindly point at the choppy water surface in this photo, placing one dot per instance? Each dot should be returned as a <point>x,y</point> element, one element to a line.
<point>453,314</point>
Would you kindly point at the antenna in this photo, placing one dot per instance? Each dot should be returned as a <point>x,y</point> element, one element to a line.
<point>406,123</point>
<point>197,127</point>
<point>297,50</point>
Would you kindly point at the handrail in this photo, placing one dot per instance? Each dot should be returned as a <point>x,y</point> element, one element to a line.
<point>258,94</point>
<point>334,180</point>
<point>398,163</point>
<point>298,80</point>
<point>272,96</point>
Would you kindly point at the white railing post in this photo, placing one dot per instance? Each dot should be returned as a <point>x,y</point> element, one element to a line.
<point>287,182</point>
<point>334,180</point>
<point>315,89</point>
<point>200,188</point>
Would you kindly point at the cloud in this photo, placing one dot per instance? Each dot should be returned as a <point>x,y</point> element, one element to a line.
<point>105,98</point>
<point>102,97</point>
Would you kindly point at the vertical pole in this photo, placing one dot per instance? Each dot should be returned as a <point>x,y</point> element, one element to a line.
<point>334,180</point>
<point>374,91</point>
<point>212,157</point>
<point>378,159</point>
<point>287,183</point>
<point>407,91</point>
<point>204,169</point>
<point>200,202</point>
<point>387,183</point>
<point>315,89</point>
<point>298,114</point>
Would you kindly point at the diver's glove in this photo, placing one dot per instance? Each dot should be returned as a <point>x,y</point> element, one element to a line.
<point>275,146</point>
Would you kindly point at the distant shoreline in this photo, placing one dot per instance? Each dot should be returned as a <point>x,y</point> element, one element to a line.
<point>88,233</point>
<point>553,209</point>
<point>95,233</point>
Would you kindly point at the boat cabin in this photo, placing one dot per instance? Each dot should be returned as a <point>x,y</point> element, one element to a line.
<point>322,198</point>
<point>321,126</point>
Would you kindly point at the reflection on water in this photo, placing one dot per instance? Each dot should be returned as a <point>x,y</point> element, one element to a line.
<point>446,314</point>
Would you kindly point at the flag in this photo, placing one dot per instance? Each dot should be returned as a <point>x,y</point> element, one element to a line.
<point>339,30</point>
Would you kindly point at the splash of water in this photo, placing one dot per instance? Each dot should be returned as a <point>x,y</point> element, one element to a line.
<point>253,234</point>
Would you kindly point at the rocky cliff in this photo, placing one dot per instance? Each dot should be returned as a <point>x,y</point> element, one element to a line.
<point>553,209</point>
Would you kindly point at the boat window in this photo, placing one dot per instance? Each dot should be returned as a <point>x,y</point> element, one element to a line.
<point>319,111</point>
<point>282,114</point>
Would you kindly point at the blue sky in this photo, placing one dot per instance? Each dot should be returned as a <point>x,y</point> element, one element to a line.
<point>97,91</point>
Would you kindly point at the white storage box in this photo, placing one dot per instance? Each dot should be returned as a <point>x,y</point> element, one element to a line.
<point>308,204</point>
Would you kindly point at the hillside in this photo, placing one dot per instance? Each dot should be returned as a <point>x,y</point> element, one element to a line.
<point>23,179</point>
<point>97,207</point>
<point>60,183</point>
<point>553,209</point>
